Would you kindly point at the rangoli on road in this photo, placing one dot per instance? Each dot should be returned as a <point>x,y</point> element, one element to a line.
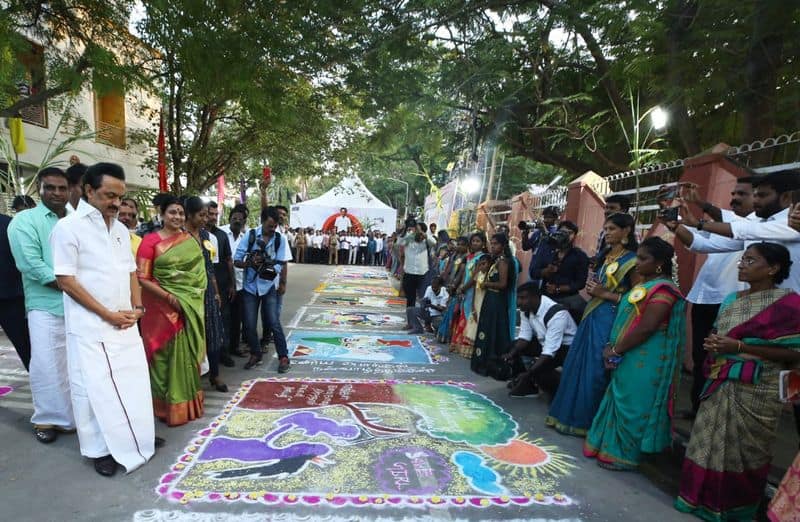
<point>357,346</point>
<point>344,442</point>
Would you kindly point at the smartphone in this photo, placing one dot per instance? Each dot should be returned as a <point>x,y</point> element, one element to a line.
<point>669,214</point>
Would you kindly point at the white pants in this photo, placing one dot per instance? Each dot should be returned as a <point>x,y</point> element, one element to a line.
<point>353,252</point>
<point>49,371</point>
<point>111,398</point>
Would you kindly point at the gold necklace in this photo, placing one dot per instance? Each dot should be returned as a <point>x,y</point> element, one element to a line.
<point>610,259</point>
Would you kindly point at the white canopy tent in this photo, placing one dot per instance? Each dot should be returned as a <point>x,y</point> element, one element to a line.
<point>350,193</point>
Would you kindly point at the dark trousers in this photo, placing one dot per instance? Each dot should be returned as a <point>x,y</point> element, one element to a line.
<point>343,256</point>
<point>546,376</point>
<point>14,323</point>
<point>703,317</point>
<point>233,323</point>
<point>411,286</point>
<point>270,304</point>
<point>225,312</point>
<point>361,256</point>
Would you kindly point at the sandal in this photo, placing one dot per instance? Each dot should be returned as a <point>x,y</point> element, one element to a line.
<point>45,435</point>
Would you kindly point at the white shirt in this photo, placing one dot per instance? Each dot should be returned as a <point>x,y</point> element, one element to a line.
<point>101,260</point>
<point>316,241</point>
<point>748,231</point>
<point>416,253</point>
<point>436,300</point>
<point>290,236</point>
<point>342,223</point>
<point>362,241</point>
<point>238,273</point>
<point>719,275</point>
<point>560,329</point>
<point>378,244</point>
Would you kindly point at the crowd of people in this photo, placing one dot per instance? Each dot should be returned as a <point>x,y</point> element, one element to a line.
<point>117,320</point>
<point>101,304</point>
<point>613,327</point>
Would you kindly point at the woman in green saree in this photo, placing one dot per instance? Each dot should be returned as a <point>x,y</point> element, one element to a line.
<point>644,353</point>
<point>172,272</point>
<point>758,335</point>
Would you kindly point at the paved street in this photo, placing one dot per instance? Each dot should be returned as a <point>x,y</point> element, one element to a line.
<point>353,432</point>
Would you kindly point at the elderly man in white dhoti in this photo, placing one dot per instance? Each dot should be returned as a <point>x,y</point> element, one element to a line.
<point>108,370</point>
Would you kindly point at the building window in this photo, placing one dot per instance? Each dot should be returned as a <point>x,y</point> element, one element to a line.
<point>109,118</point>
<point>32,82</point>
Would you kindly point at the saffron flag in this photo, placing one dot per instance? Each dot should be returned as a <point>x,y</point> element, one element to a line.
<point>162,157</point>
<point>221,191</point>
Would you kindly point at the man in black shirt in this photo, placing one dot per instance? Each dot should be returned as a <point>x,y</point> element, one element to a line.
<point>566,274</point>
<point>223,271</point>
<point>534,238</point>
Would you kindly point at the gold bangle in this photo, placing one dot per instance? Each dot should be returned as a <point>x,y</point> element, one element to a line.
<point>739,346</point>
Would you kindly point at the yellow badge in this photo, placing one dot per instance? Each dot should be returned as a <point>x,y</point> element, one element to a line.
<point>637,294</point>
<point>210,247</point>
<point>612,268</point>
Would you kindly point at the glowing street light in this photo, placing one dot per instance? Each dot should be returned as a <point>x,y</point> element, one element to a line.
<point>471,185</point>
<point>659,118</point>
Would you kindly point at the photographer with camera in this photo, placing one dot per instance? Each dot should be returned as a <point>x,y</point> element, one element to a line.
<point>533,238</point>
<point>416,245</point>
<point>263,256</point>
<point>566,274</point>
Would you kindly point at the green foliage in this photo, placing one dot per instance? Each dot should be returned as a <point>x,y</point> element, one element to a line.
<point>81,37</point>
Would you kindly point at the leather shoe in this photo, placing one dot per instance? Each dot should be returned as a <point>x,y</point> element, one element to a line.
<point>105,466</point>
<point>45,435</point>
<point>227,361</point>
<point>254,361</point>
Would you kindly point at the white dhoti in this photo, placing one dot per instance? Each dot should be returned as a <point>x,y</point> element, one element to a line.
<point>49,374</point>
<point>111,399</point>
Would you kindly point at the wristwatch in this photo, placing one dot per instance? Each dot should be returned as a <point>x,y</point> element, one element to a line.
<point>140,307</point>
<point>701,224</point>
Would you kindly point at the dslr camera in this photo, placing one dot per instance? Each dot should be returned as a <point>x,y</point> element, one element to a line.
<point>558,239</point>
<point>263,264</point>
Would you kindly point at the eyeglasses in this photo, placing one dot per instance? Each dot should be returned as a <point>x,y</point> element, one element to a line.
<point>747,261</point>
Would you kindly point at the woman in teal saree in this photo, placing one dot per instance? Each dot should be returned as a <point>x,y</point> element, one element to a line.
<point>584,375</point>
<point>644,353</point>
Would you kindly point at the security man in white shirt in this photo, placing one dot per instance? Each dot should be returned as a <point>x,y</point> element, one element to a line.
<point>717,278</point>
<point>546,332</point>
